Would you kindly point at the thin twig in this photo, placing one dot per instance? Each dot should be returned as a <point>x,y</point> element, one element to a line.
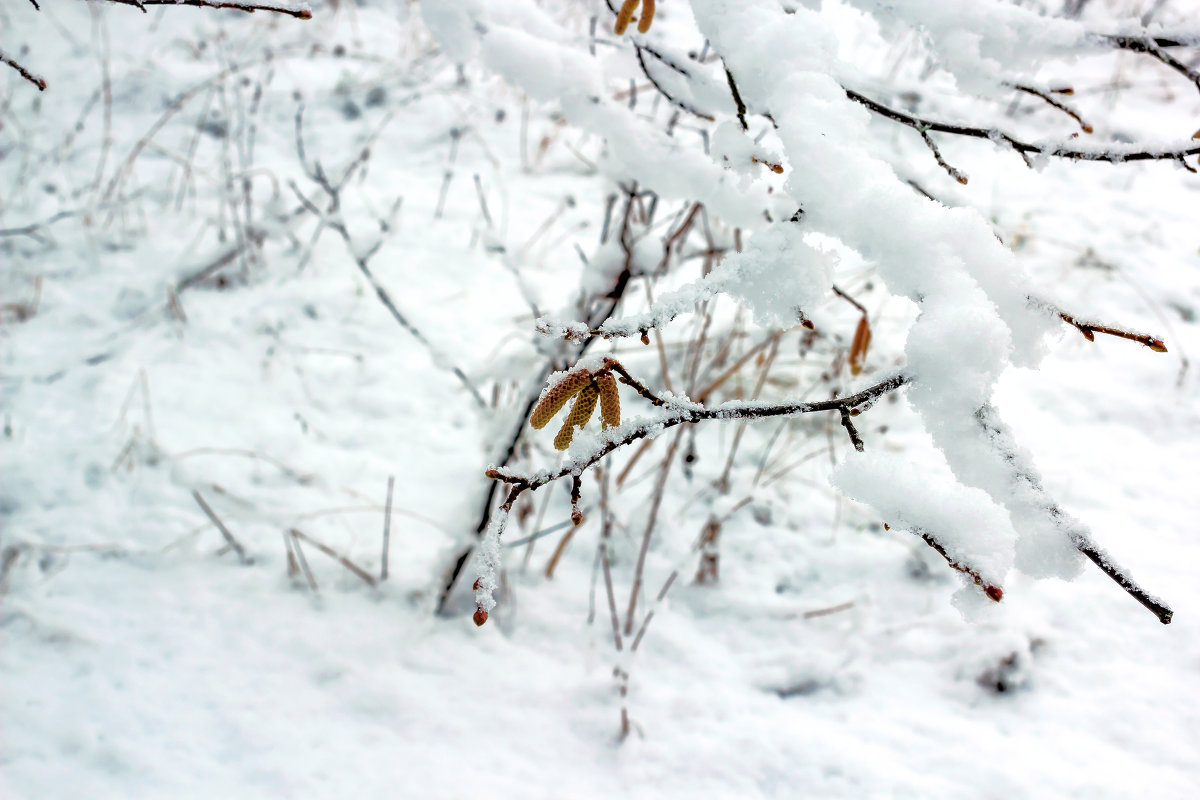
<point>1090,329</point>
<point>679,414</point>
<point>36,80</point>
<point>249,8</point>
<point>229,539</point>
<point>1023,148</point>
<point>1061,106</point>
<point>308,574</point>
<point>387,528</point>
<point>366,577</point>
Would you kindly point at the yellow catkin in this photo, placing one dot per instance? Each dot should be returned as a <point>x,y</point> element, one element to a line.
<point>557,396</point>
<point>610,400</point>
<point>858,350</point>
<point>647,16</point>
<point>581,412</point>
<point>624,16</point>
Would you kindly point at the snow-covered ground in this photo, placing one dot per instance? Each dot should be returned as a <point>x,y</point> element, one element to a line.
<point>140,657</point>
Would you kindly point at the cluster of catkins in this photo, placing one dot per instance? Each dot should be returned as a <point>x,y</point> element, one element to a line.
<point>588,388</point>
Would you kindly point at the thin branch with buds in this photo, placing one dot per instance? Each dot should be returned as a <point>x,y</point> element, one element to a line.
<point>36,80</point>
<point>1023,148</point>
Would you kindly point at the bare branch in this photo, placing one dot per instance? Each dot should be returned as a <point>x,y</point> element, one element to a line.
<point>1154,48</point>
<point>299,11</point>
<point>1089,329</point>
<point>681,413</point>
<point>1061,106</point>
<point>937,154</point>
<point>993,592</point>
<point>36,80</point>
<point>1025,149</point>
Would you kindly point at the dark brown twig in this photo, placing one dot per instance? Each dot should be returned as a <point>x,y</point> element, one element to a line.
<point>249,8</point>
<point>937,154</point>
<point>1154,49</point>
<point>737,99</point>
<point>1021,147</point>
<point>680,414</point>
<point>1090,329</point>
<point>993,592</point>
<point>1061,106</point>
<point>36,80</point>
<point>1122,579</point>
<point>672,99</point>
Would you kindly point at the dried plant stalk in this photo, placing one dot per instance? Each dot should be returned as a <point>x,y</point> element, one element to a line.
<point>625,15</point>
<point>581,412</point>
<point>858,350</point>
<point>610,400</point>
<point>557,396</point>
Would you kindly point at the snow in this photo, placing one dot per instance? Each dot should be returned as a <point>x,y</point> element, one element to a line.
<point>832,659</point>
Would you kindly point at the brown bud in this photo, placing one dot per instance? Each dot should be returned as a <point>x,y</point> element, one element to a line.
<point>492,473</point>
<point>480,616</point>
<point>581,412</point>
<point>576,517</point>
<point>475,585</point>
<point>610,400</point>
<point>557,396</point>
<point>645,338</point>
<point>624,16</point>
<point>858,350</point>
<point>1157,346</point>
<point>994,592</point>
<point>808,323</point>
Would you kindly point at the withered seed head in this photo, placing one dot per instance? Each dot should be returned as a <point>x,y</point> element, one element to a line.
<point>557,396</point>
<point>581,412</point>
<point>610,400</point>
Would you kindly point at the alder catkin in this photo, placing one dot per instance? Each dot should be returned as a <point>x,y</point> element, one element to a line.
<point>625,15</point>
<point>557,396</point>
<point>610,401</point>
<point>858,350</point>
<point>581,412</point>
<point>647,16</point>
